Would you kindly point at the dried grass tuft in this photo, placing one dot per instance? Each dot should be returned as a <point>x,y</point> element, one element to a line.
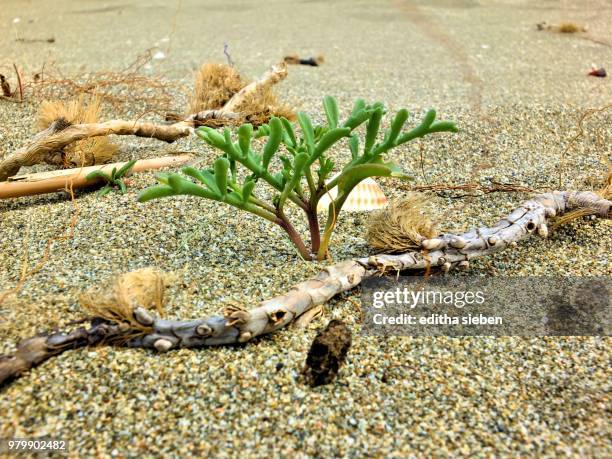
<point>259,107</point>
<point>402,225</point>
<point>605,192</point>
<point>86,152</point>
<point>144,288</point>
<point>216,84</point>
<point>564,27</point>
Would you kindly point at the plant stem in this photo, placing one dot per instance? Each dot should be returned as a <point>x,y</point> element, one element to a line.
<point>313,225</point>
<point>294,236</point>
<point>262,204</point>
<point>330,224</point>
<point>311,184</point>
<point>259,211</point>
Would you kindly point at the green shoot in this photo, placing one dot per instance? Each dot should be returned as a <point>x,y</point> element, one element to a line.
<point>114,180</point>
<point>306,166</point>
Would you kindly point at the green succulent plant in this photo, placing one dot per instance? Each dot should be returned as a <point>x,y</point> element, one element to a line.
<point>114,180</point>
<point>303,178</point>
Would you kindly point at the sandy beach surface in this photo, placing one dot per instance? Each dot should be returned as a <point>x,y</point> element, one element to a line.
<point>518,96</point>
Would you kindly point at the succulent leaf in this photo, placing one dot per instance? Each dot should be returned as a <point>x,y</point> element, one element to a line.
<point>99,175</point>
<point>245,134</point>
<point>247,190</point>
<point>221,167</point>
<point>290,133</point>
<point>274,140</point>
<point>331,111</point>
<point>125,168</point>
<point>307,131</point>
<point>372,129</point>
<point>354,146</point>
<point>203,176</point>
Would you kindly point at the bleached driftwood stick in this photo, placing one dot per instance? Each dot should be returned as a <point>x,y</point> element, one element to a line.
<point>232,108</point>
<point>47,146</point>
<point>238,325</point>
<point>275,74</point>
<point>449,250</point>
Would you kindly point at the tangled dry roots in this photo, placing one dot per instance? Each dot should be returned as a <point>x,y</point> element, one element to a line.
<point>216,84</point>
<point>142,288</point>
<point>401,226</point>
<point>86,152</point>
<point>125,90</point>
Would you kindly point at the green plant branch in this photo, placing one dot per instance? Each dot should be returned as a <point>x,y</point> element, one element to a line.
<point>290,182</point>
<point>262,204</point>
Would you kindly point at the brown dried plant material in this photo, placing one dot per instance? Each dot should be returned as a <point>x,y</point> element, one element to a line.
<point>471,189</point>
<point>6,87</point>
<point>143,288</point>
<point>605,192</point>
<point>217,84</point>
<point>569,27</point>
<point>123,89</point>
<point>258,108</point>
<point>327,353</point>
<point>564,27</point>
<point>86,152</point>
<point>401,226</point>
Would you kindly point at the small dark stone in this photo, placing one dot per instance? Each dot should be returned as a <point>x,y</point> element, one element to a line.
<point>327,353</point>
<point>279,366</point>
<point>598,72</point>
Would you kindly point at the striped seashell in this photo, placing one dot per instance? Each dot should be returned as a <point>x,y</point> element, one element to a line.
<point>366,196</point>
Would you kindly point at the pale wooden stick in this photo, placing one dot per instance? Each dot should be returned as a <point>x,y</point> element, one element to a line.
<point>276,73</point>
<point>48,182</point>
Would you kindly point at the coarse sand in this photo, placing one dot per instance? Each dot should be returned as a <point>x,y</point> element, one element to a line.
<point>517,95</point>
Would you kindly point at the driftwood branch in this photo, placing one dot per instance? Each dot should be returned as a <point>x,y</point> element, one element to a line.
<point>449,250</point>
<point>237,325</point>
<point>47,146</point>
